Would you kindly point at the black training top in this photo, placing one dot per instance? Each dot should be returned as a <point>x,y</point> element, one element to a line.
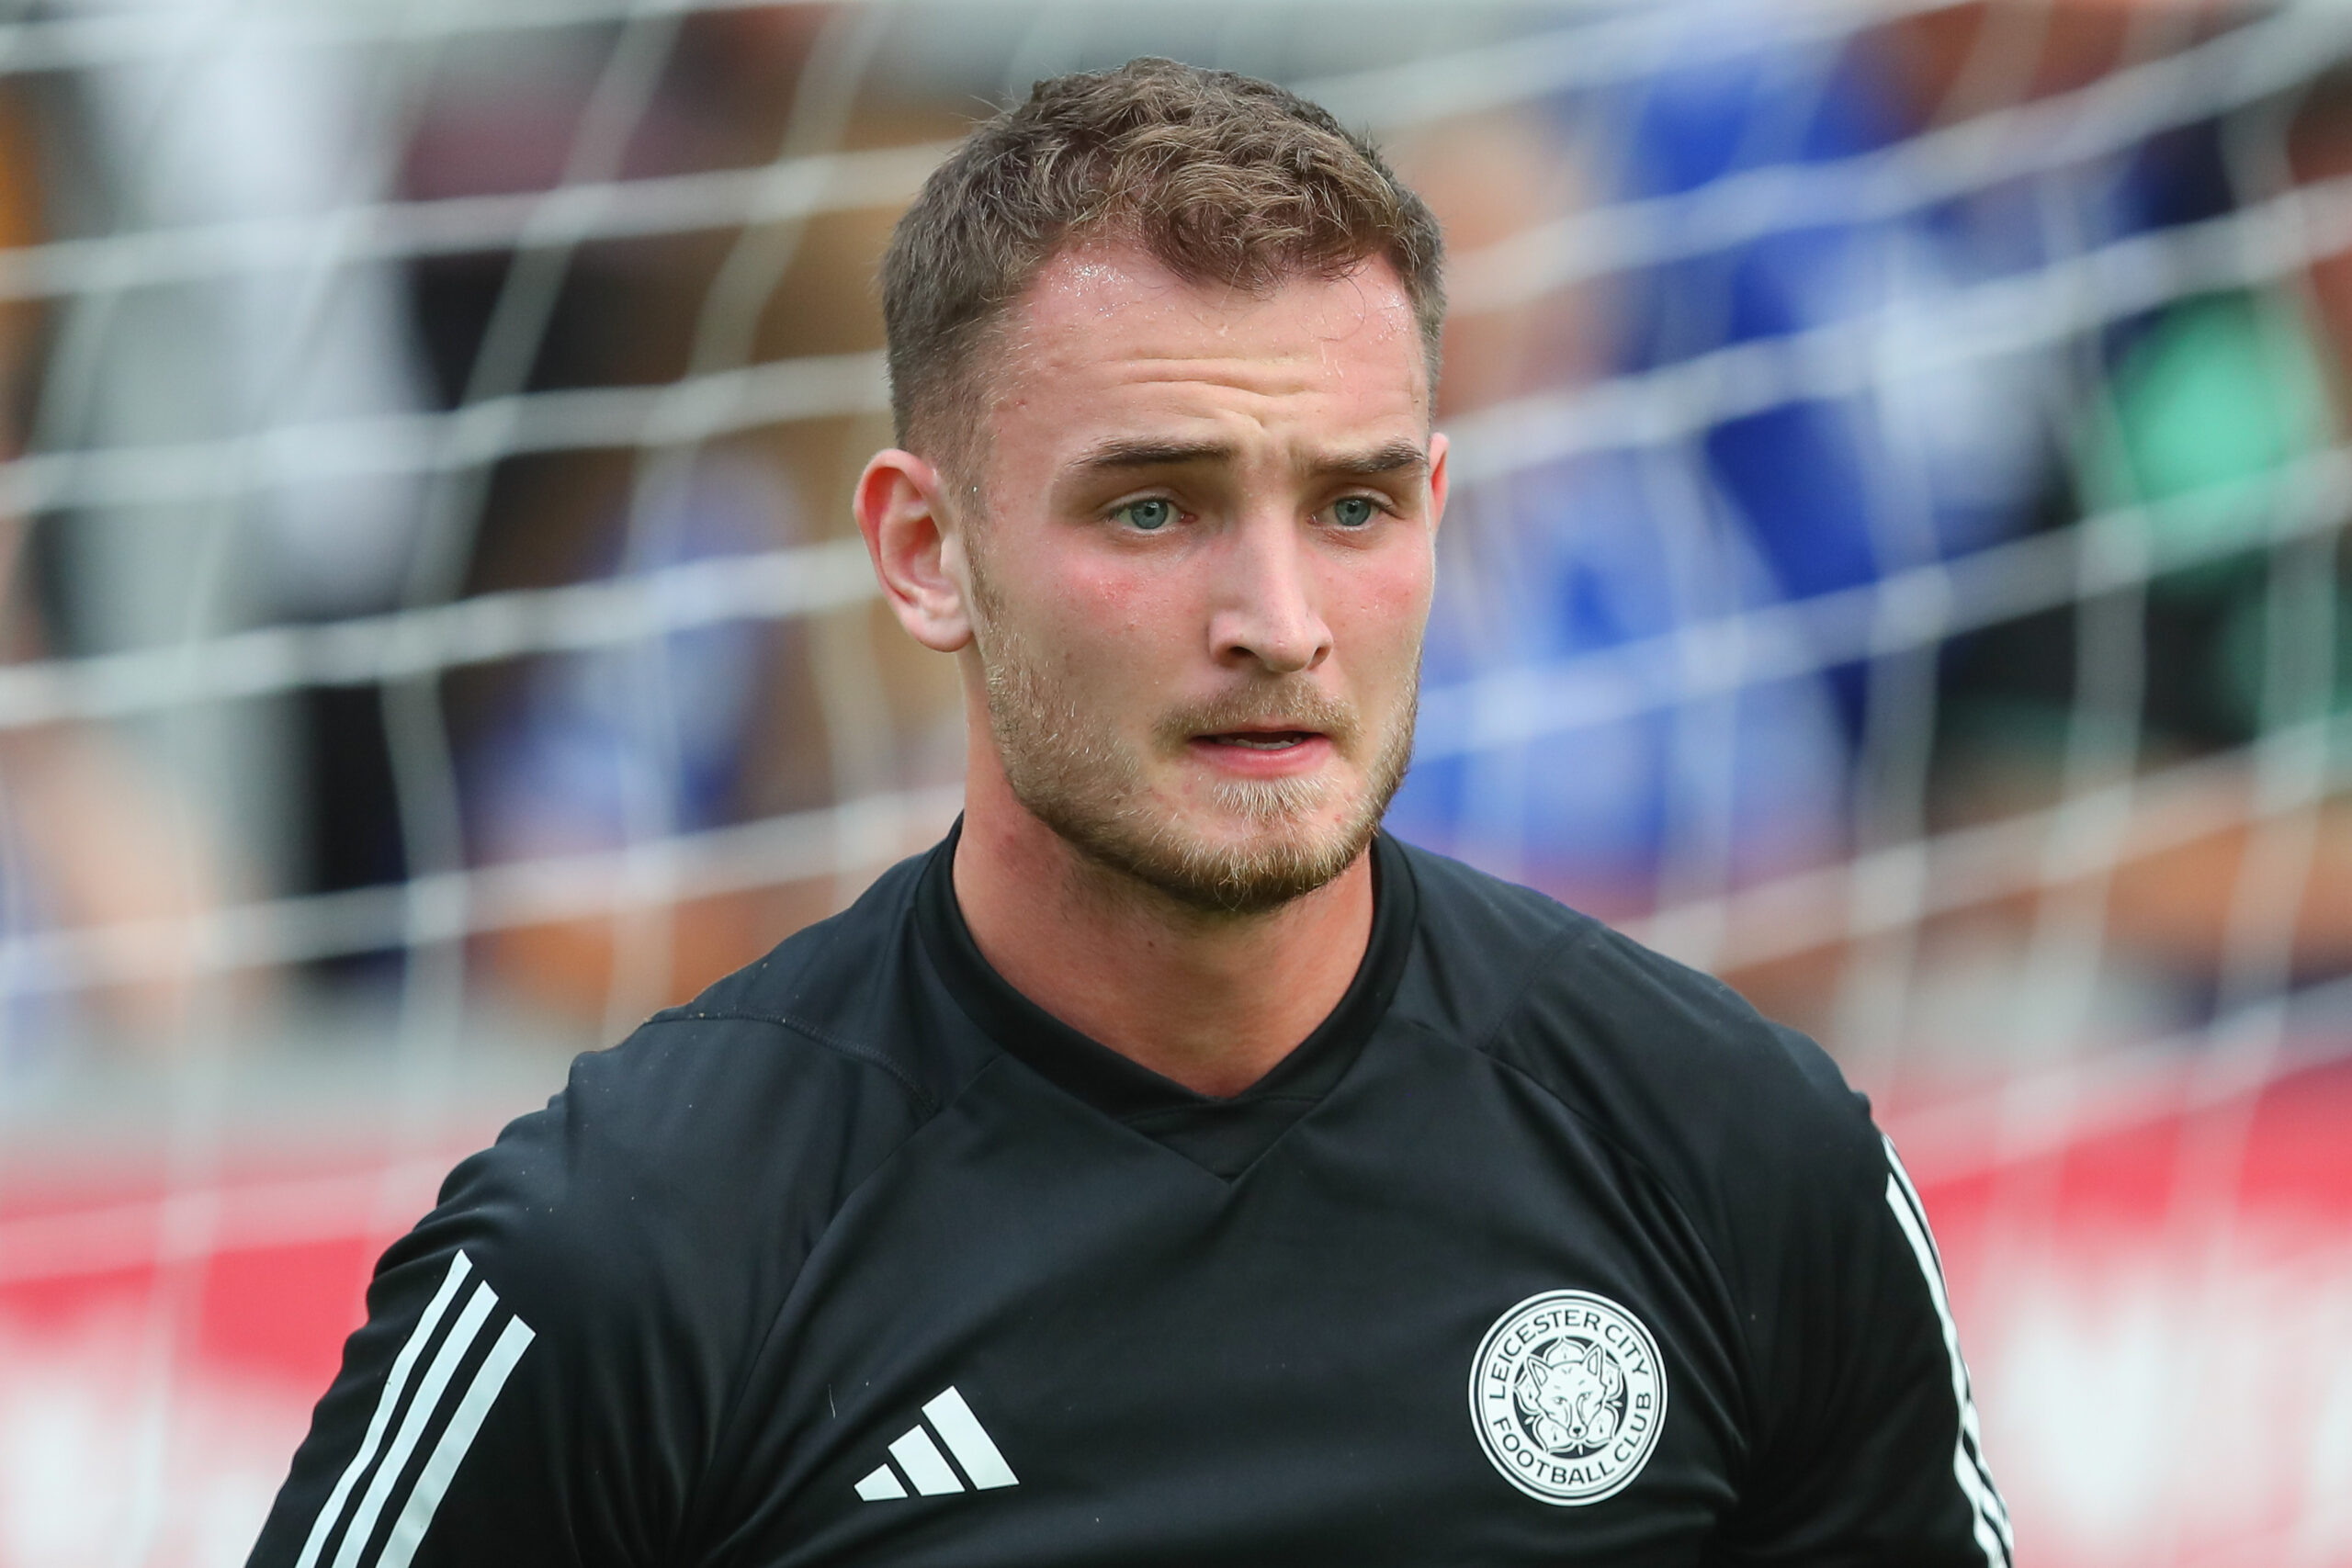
<point>1542,1250</point>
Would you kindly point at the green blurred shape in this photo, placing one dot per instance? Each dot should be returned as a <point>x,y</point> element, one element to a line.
<point>2224,392</point>
<point>2205,413</point>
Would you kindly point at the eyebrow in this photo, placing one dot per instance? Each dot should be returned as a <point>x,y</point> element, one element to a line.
<point>1115,453</point>
<point>1389,457</point>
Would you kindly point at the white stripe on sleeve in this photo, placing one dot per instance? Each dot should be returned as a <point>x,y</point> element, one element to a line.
<point>1972,1431</point>
<point>1992,1524</point>
<point>420,1415</point>
<point>450,1451</point>
<point>394,1381</point>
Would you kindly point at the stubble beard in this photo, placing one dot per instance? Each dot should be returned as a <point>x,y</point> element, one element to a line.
<point>1074,775</point>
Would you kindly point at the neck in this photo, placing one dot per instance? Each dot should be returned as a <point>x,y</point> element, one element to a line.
<point>1210,1000</point>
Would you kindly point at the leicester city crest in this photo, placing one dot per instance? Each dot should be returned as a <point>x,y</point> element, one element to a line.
<point>1568,1397</point>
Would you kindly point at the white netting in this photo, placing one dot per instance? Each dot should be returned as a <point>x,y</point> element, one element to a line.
<point>1896,563</point>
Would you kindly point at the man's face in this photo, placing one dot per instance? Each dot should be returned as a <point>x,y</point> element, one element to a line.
<point>1204,563</point>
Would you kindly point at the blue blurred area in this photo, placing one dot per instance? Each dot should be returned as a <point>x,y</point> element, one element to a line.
<point>1944,452</point>
<point>605,748</point>
<point>1606,555</point>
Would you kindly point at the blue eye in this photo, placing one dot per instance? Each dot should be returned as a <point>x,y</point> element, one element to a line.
<point>1354,511</point>
<point>1148,515</point>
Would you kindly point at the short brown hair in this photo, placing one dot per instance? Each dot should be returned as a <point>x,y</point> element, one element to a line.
<point>1223,178</point>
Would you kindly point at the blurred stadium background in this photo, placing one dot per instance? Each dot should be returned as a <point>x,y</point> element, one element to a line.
<point>1899,564</point>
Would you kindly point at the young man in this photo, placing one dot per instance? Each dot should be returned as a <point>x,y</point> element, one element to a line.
<point>1168,1169</point>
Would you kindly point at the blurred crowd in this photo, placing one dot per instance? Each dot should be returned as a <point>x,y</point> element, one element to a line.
<point>2183,431</point>
<point>1715,395</point>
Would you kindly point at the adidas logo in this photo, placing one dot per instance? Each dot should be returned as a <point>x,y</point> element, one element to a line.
<point>915,1459</point>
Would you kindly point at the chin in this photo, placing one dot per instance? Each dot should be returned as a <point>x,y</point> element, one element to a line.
<point>1258,806</point>
<point>1261,845</point>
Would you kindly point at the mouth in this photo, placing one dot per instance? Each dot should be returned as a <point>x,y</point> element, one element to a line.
<point>1261,739</point>
<point>1264,751</point>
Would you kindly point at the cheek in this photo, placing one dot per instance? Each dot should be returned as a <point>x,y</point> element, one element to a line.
<point>1086,610</point>
<point>1109,595</point>
<point>1380,608</point>
<point>1107,623</point>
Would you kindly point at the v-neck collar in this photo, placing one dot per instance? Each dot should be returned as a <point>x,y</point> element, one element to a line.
<point>1223,1134</point>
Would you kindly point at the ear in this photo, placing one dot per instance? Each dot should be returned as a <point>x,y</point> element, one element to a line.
<point>916,551</point>
<point>1439,446</point>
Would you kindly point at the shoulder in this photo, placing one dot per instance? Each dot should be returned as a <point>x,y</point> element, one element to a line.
<point>688,1170</point>
<point>853,985</point>
<point>1735,1114</point>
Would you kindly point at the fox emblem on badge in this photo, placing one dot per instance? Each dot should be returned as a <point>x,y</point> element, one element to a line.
<point>1573,1401</point>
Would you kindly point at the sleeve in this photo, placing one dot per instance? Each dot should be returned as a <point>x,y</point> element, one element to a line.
<point>519,1393</point>
<point>1868,1450</point>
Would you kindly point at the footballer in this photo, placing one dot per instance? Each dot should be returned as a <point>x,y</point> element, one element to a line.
<point>1169,1167</point>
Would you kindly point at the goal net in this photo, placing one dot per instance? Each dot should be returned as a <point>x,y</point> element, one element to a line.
<point>1896,563</point>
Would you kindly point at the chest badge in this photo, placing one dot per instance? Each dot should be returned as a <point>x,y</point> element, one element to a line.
<point>1568,1397</point>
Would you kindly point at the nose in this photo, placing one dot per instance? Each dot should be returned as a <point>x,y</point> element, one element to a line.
<point>1266,613</point>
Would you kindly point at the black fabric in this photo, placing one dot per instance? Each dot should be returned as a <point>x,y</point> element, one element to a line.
<point>1223,1134</point>
<point>706,1308</point>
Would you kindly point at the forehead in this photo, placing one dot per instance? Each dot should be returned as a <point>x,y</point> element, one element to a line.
<point>1108,336</point>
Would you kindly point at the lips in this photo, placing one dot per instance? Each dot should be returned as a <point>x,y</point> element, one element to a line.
<point>1262,740</point>
<point>1264,732</point>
